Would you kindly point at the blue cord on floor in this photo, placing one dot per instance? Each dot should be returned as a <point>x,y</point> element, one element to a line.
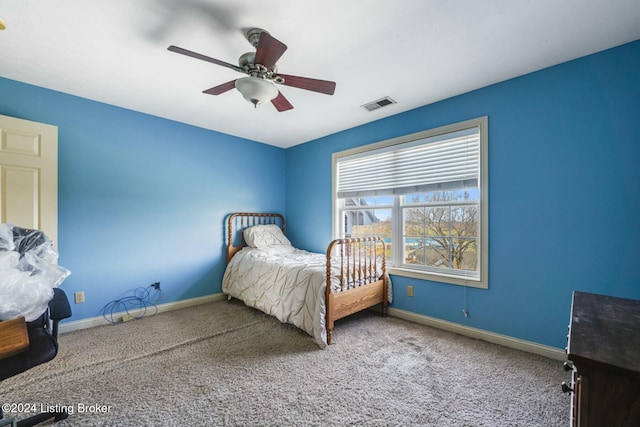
<point>141,300</point>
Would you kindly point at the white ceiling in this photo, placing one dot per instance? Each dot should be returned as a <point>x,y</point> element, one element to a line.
<point>415,51</point>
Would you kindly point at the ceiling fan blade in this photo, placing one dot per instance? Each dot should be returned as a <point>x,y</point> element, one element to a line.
<point>322,86</point>
<point>269,50</point>
<point>204,58</point>
<point>217,90</point>
<point>281,103</point>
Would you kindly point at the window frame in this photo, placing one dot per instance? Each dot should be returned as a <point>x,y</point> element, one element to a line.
<point>395,266</point>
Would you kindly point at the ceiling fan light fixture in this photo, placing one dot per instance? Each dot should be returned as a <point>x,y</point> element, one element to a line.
<point>256,90</point>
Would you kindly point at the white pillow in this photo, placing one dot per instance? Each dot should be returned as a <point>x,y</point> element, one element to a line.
<point>261,236</point>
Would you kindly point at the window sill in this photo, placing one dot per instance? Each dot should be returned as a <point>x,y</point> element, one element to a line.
<point>442,278</point>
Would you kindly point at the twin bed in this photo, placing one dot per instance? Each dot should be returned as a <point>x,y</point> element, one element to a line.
<point>308,290</point>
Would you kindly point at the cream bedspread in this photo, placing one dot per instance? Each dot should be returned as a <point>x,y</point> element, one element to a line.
<point>284,282</point>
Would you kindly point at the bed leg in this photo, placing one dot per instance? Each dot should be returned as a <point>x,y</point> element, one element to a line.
<point>329,334</point>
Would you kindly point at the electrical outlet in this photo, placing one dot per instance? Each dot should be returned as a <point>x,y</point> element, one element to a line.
<point>156,286</point>
<point>127,317</point>
<point>410,290</point>
<point>79,297</point>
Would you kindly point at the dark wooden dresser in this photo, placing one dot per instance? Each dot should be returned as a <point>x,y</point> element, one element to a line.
<point>604,354</point>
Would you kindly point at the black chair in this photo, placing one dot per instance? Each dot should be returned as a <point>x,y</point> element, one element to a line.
<point>43,347</point>
<point>42,332</point>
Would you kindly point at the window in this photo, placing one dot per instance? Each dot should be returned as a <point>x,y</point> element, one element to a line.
<point>425,194</point>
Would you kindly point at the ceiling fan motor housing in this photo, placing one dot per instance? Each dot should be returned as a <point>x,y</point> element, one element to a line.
<point>247,59</point>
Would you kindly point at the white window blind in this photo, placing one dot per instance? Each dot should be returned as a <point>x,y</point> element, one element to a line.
<point>435,163</point>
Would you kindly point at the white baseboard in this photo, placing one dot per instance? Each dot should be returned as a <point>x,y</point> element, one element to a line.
<point>101,321</point>
<point>504,340</point>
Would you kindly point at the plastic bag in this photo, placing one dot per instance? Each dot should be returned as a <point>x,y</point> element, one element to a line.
<point>6,238</point>
<point>29,271</point>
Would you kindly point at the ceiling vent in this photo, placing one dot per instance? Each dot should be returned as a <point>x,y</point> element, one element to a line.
<point>382,102</point>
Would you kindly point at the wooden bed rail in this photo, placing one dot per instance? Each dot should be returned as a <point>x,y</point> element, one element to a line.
<point>238,221</point>
<point>360,260</point>
<point>362,276</point>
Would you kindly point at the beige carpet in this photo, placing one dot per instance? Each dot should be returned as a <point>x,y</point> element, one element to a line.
<point>226,364</point>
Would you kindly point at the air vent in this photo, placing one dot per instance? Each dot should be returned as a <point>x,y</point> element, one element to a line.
<point>382,102</point>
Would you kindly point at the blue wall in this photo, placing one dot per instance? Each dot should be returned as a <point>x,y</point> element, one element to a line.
<point>564,193</point>
<point>143,199</point>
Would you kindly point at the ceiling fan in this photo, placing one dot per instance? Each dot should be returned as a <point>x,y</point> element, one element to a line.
<point>260,65</point>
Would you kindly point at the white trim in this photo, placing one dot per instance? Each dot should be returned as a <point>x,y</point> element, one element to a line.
<point>429,275</point>
<point>504,340</point>
<point>101,321</point>
<point>492,337</point>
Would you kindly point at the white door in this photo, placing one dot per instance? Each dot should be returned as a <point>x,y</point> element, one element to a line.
<point>29,175</point>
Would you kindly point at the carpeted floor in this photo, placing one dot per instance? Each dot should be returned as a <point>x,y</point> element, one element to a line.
<point>225,364</point>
